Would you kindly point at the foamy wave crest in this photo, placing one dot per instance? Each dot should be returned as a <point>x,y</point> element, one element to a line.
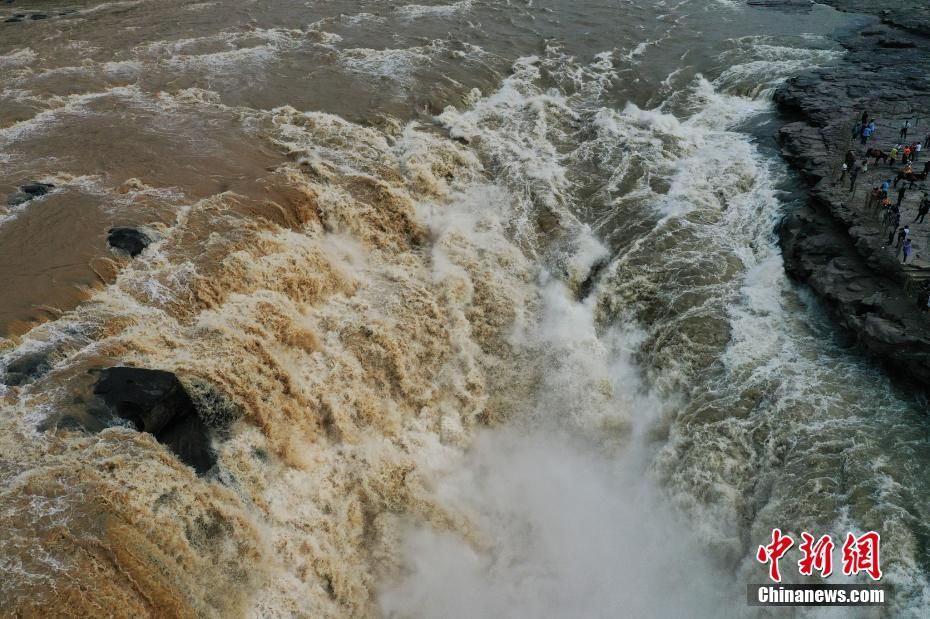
<point>224,53</point>
<point>756,65</point>
<point>17,58</point>
<point>415,11</point>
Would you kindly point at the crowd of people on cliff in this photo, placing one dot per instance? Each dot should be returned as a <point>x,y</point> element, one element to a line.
<point>879,197</point>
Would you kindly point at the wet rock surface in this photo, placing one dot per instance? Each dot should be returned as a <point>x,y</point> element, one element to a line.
<point>130,240</point>
<point>28,192</point>
<point>26,368</point>
<point>17,18</point>
<point>839,243</point>
<point>156,402</point>
<point>912,15</point>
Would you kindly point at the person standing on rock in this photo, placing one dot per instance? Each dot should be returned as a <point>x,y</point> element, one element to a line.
<point>901,193</point>
<point>906,250</point>
<point>850,158</point>
<point>895,222</point>
<point>861,124</point>
<point>893,155</point>
<point>853,175</point>
<point>922,210</point>
<point>866,134</point>
<point>888,216</point>
<point>927,141</point>
<point>873,198</point>
<point>917,147</point>
<point>845,170</point>
<point>903,234</point>
<point>904,128</point>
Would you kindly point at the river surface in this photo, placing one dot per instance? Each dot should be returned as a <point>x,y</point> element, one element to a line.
<point>490,290</point>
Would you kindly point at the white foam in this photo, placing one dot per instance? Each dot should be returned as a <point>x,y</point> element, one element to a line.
<point>416,11</point>
<point>18,58</point>
<point>225,53</point>
<point>396,64</point>
<point>64,106</point>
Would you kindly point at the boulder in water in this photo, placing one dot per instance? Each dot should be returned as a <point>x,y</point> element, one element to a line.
<point>130,240</point>
<point>156,402</point>
<point>37,189</point>
<point>28,192</point>
<point>27,367</point>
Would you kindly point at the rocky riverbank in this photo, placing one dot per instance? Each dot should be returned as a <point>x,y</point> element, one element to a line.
<point>837,244</point>
<point>911,15</point>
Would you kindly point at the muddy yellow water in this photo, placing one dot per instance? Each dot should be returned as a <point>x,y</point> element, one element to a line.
<point>465,291</point>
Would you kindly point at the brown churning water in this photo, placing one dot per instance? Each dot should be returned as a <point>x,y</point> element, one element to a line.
<point>449,281</point>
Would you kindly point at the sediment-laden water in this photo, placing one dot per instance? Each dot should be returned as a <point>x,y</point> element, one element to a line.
<point>483,299</point>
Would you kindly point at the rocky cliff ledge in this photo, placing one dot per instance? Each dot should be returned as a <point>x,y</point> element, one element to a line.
<point>838,244</point>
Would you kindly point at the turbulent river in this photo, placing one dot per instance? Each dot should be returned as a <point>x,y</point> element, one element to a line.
<point>490,291</point>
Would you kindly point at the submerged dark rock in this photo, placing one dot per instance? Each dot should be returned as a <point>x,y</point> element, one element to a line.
<point>130,240</point>
<point>28,192</point>
<point>156,402</point>
<point>37,189</point>
<point>587,286</point>
<point>837,243</point>
<point>27,367</point>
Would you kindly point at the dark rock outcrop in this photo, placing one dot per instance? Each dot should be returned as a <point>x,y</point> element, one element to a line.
<point>28,192</point>
<point>156,402</point>
<point>130,240</point>
<point>837,243</point>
